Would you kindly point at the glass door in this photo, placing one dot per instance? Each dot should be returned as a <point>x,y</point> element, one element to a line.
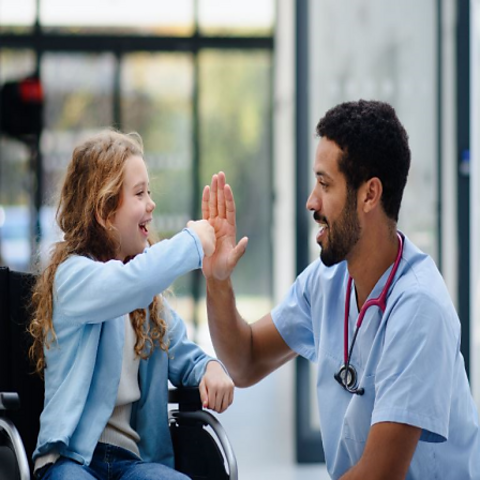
<point>475,196</point>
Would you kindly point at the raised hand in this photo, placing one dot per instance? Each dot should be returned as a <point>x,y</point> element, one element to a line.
<point>218,207</point>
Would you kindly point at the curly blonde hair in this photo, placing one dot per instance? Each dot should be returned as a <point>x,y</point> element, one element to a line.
<point>91,192</point>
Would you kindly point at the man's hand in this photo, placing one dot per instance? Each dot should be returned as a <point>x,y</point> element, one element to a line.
<point>218,207</point>
<point>216,388</point>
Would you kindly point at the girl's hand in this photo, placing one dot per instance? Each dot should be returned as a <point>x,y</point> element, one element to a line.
<point>216,388</point>
<point>206,234</point>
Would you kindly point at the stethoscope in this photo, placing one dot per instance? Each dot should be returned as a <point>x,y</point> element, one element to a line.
<point>347,375</point>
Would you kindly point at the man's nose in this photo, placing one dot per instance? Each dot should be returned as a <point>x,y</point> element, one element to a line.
<point>313,202</point>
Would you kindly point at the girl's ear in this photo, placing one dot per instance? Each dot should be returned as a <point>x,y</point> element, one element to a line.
<point>100,220</point>
<point>371,194</point>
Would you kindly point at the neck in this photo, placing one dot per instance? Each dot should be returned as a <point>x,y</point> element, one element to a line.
<point>372,256</point>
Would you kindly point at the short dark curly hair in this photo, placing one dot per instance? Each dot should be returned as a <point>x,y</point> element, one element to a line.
<point>374,144</point>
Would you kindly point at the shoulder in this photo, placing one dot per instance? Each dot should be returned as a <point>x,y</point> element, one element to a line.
<point>420,292</point>
<point>419,278</point>
<point>76,262</point>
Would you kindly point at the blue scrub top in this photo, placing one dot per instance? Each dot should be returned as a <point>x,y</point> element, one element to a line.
<point>408,361</point>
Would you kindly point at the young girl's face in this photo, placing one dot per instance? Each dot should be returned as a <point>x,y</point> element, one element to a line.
<point>134,214</point>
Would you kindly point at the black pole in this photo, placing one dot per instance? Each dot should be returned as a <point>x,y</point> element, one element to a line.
<point>463,176</point>
<point>195,179</point>
<point>439,116</point>
<point>308,440</point>
<point>36,159</point>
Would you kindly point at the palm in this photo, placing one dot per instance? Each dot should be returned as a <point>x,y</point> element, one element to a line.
<point>219,265</point>
<point>218,206</point>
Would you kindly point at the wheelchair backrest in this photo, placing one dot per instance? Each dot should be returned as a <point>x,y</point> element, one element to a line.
<point>16,371</point>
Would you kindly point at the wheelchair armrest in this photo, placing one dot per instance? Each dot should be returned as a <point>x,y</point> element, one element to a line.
<point>190,411</point>
<point>209,420</point>
<point>9,401</point>
<point>188,398</point>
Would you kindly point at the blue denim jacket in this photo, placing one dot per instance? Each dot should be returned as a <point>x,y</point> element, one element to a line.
<point>84,360</point>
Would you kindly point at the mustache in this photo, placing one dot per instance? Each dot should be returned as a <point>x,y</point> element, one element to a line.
<point>320,218</point>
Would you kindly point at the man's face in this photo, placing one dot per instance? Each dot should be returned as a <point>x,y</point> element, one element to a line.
<point>334,206</point>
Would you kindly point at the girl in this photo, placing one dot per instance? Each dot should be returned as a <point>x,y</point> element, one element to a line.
<point>104,338</point>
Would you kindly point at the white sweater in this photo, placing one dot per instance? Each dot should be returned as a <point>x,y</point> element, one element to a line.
<point>118,431</point>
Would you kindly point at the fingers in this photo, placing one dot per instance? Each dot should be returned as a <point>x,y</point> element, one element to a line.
<point>229,205</point>
<point>216,388</point>
<point>203,393</point>
<point>239,250</point>
<point>213,197</point>
<point>221,195</point>
<point>205,203</point>
<point>218,401</point>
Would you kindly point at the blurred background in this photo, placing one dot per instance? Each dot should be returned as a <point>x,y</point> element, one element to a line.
<point>239,86</point>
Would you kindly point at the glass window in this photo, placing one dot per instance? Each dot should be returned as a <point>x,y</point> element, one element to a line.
<point>16,64</point>
<point>78,100</point>
<point>235,136</point>
<point>17,15</point>
<point>385,51</point>
<point>230,17</point>
<point>156,102</point>
<point>15,178</point>
<point>104,16</point>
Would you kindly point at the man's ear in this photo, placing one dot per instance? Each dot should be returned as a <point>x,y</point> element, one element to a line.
<point>371,194</point>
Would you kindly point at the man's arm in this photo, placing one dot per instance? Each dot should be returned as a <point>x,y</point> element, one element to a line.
<point>388,452</point>
<point>250,352</point>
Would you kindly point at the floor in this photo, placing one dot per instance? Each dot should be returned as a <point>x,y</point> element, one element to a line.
<point>260,426</point>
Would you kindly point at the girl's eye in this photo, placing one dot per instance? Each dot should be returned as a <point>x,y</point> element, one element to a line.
<point>139,194</point>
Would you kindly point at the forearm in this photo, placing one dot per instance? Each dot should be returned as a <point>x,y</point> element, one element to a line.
<point>388,453</point>
<point>231,335</point>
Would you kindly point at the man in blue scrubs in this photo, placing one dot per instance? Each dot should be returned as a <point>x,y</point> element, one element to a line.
<point>393,396</point>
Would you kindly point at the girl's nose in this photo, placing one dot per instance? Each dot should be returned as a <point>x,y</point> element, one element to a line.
<point>151,205</point>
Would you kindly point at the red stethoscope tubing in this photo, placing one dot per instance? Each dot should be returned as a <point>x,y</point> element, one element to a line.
<point>380,302</point>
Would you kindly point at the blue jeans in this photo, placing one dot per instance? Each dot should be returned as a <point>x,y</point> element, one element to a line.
<point>109,463</point>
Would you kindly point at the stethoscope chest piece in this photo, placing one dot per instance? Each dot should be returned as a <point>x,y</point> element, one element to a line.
<point>347,376</point>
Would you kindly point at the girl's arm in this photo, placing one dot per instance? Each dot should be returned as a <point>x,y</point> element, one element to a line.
<point>90,291</point>
<point>189,365</point>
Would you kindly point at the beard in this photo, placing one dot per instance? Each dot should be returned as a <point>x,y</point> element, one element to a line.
<point>342,234</point>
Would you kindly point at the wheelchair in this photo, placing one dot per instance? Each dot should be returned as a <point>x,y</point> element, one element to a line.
<point>201,446</point>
